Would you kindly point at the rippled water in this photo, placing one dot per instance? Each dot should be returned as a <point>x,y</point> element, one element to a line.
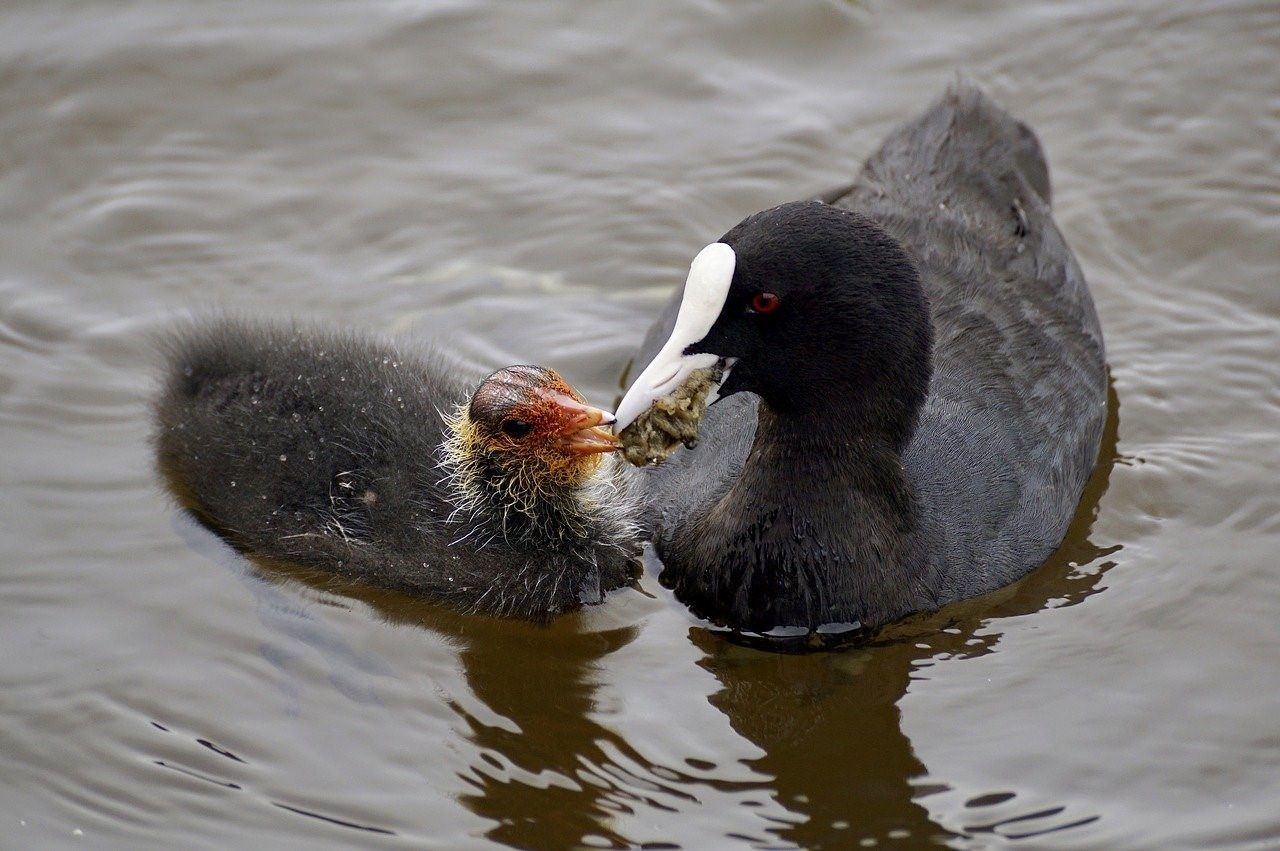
<point>526,181</point>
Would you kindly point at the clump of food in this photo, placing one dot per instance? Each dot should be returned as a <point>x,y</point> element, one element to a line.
<point>671,421</point>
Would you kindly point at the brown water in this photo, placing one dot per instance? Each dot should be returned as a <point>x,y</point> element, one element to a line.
<point>526,181</point>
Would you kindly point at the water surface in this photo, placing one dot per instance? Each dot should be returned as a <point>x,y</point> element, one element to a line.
<point>525,182</point>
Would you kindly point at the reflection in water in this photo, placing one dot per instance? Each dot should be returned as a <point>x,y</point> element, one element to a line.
<point>527,715</point>
<point>535,774</point>
<point>550,770</point>
<point>829,723</point>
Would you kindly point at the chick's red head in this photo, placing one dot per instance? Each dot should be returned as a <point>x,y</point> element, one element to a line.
<point>531,414</point>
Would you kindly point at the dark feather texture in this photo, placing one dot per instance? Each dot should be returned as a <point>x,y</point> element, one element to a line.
<point>323,449</point>
<point>883,475</point>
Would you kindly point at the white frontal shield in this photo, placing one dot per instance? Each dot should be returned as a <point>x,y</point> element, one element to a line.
<point>705,291</point>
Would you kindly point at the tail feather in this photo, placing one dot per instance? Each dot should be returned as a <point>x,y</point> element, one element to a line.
<point>964,146</point>
<point>992,136</point>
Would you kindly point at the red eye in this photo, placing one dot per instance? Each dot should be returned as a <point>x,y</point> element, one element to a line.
<point>765,302</point>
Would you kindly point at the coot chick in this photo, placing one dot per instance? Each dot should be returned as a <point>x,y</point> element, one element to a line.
<point>342,453</point>
<point>927,385</point>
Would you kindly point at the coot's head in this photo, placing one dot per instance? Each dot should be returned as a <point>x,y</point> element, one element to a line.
<point>815,309</point>
<point>528,423</point>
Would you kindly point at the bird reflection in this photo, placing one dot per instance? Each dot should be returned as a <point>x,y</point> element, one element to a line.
<point>829,723</point>
<point>814,754</point>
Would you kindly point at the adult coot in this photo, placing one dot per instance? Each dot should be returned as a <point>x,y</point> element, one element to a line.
<point>928,379</point>
<point>342,453</point>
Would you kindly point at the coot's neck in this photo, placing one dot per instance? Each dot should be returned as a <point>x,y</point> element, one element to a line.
<point>817,529</point>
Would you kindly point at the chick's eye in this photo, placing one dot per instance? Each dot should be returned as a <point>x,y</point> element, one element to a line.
<point>765,302</point>
<point>516,428</point>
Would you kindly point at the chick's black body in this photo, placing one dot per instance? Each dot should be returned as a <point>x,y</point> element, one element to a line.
<point>325,449</point>
<point>925,406</point>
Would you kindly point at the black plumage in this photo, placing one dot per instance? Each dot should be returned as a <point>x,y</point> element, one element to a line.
<point>341,452</point>
<point>925,407</point>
